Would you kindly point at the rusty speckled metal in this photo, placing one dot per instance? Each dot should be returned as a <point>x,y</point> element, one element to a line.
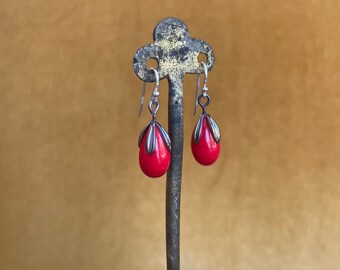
<point>176,53</point>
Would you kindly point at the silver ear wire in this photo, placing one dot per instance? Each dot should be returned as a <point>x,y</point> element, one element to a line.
<point>196,96</point>
<point>204,88</point>
<point>155,92</point>
<point>142,99</point>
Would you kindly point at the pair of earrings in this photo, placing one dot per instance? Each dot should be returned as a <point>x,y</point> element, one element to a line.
<point>154,142</point>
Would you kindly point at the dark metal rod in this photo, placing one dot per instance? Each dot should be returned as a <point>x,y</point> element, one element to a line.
<point>173,183</point>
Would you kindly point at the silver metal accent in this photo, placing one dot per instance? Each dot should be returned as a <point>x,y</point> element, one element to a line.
<point>215,130</point>
<point>197,87</point>
<point>151,138</point>
<point>141,135</point>
<point>203,105</point>
<point>165,136</point>
<point>205,69</point>
<point>156,79</point>
<point>198,129</point>
<point>204,88</point>
<point>142,99</point>
<point>154,96</point>
<point>155,102</point>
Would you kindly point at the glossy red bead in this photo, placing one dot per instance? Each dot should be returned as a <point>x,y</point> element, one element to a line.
<point>156,164</point>
<point>206,151</point>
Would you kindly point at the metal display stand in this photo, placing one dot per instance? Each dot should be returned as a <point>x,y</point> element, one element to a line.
<point>176,53</point>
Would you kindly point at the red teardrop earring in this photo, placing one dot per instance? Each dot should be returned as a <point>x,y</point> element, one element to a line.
<point>154,142</point>
<point>205,142</point>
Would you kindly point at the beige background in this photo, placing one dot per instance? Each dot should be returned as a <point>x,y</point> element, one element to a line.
<point>72,196</point>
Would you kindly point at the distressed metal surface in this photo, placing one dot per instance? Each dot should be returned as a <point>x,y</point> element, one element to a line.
<point>214,129</point>
<point>173,184</point>
<point>176,53</point>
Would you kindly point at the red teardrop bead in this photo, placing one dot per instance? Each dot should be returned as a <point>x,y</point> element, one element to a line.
<point>206,151</point>
<point>155,164</point>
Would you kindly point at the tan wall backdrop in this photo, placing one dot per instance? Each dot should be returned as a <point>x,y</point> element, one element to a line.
<point>72,196</point>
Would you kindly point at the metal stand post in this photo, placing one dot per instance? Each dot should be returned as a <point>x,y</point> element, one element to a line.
<point>176,53</point>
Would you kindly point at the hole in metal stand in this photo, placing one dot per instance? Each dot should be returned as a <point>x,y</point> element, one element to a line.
<point>152,63</point>
<point>202,57</point>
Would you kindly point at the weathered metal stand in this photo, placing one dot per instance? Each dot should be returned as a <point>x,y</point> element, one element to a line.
<point>176,53</point>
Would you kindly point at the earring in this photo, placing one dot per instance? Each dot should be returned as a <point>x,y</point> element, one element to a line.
<point>153,142</point>
<point>205,142</point>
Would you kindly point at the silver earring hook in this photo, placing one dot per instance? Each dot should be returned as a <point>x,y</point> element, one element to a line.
<point>155,92</point>
<point>142,99</point>
<point>204,88</point>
